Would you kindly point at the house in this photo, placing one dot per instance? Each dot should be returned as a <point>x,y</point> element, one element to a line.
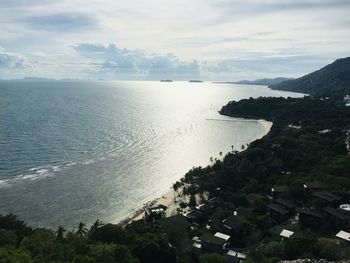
<point>154,213</point>
<point>287,204</point>
<point>235,257</point>
<point>278,212</point>
<point>279,190</point>
<point>336,219</point>
<point>233,222</point>
<point>286,233</point>
<point>313,186</point>
<point>193,215</point>
<point>309,218</point>
<point>326,198</point>
<point>214,243</point>
<point>176,227</point>
<point>343,235</point>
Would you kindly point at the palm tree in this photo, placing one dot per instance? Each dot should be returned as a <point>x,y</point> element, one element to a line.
<point>82,230</point>
<point>176,186</point>
<point>60,233</point>
<point>98,223</point>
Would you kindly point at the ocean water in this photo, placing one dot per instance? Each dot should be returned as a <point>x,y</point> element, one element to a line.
<point>75,151</point>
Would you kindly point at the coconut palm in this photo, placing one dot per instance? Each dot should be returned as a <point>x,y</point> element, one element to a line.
<point>82,230</point>
<point>98,223</point>
<point>60,233</point>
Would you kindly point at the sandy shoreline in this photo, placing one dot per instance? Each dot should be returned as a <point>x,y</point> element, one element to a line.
<point>172,199</point>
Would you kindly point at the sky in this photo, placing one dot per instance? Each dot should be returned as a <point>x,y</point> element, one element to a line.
<point>224,40</point>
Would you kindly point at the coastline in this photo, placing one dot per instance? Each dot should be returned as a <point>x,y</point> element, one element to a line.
<point>169,198</point>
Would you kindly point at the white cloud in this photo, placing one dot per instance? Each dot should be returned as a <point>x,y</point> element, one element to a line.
<point>136,64</point>
<point>9,60</point>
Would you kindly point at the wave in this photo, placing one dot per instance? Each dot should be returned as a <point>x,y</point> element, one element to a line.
<point>35,173</point>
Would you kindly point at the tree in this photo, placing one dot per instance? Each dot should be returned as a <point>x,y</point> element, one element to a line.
<point>60,233</point>
<point>7,237</point>
<point>82,230</point>
<point>98,223</point>
<point>12,255</point>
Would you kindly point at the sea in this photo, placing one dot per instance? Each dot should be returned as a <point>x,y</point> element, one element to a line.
<point>74,151</point>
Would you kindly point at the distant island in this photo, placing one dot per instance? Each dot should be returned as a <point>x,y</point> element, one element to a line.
<point>166,80</point>
<point>195,81</point>
<point>265,81</point>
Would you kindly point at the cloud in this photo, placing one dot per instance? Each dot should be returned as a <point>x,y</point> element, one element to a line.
<point>265,65</point>
<point>137,63</point>
<point>10,60</point>
<point>61,22</point>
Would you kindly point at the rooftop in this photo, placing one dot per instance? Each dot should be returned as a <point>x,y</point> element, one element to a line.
<point>343,235</point>
<point>335,213</point>
<point>286,233</point>
<point>326,196</point>
<point>286,203</point>
<point>313,185</point>
<point>280,189</point>
<point>208,238</point>
<point>233,221</point>
<point>309,212</point>
<point>222,236</point>
<point>278,209</point>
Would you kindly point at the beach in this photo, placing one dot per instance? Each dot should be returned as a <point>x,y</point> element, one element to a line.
<point>172,199</point>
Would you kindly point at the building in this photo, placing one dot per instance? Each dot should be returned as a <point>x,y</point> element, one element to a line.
<point>286,233</point>
<point>278,212</point>
<point>335,219</point>
<point>310,218</point>
<point>343,235</point>
<point>235,257</point>
<point>193,215</point>
<point>326,198</point>
<point>232,222</point>
<point>287,204</point>
<point>313,186</point>
<point>214,243</point>
<point>279,190</point>
<point>154,213</point>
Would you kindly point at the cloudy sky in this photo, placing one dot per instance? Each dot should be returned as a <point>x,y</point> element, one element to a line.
<point>178,39</point>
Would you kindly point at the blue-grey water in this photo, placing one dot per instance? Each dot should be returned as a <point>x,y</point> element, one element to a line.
<point>77,151</point>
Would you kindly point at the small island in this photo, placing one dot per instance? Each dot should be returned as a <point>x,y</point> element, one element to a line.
<point>195,81</point>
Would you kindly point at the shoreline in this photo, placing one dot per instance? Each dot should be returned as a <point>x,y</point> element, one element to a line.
<point>168,199</point>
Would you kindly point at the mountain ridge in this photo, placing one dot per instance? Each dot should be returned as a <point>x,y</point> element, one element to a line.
<point>334,77</point>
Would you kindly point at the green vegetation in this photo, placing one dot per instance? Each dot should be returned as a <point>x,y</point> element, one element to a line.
<point>108,243</point>
<point>332,79</point>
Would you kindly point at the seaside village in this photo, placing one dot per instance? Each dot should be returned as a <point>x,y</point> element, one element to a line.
<point>212,224</point>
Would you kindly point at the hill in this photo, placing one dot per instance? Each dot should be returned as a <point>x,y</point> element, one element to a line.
<point>264,81</point>
<point>329,80</point>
